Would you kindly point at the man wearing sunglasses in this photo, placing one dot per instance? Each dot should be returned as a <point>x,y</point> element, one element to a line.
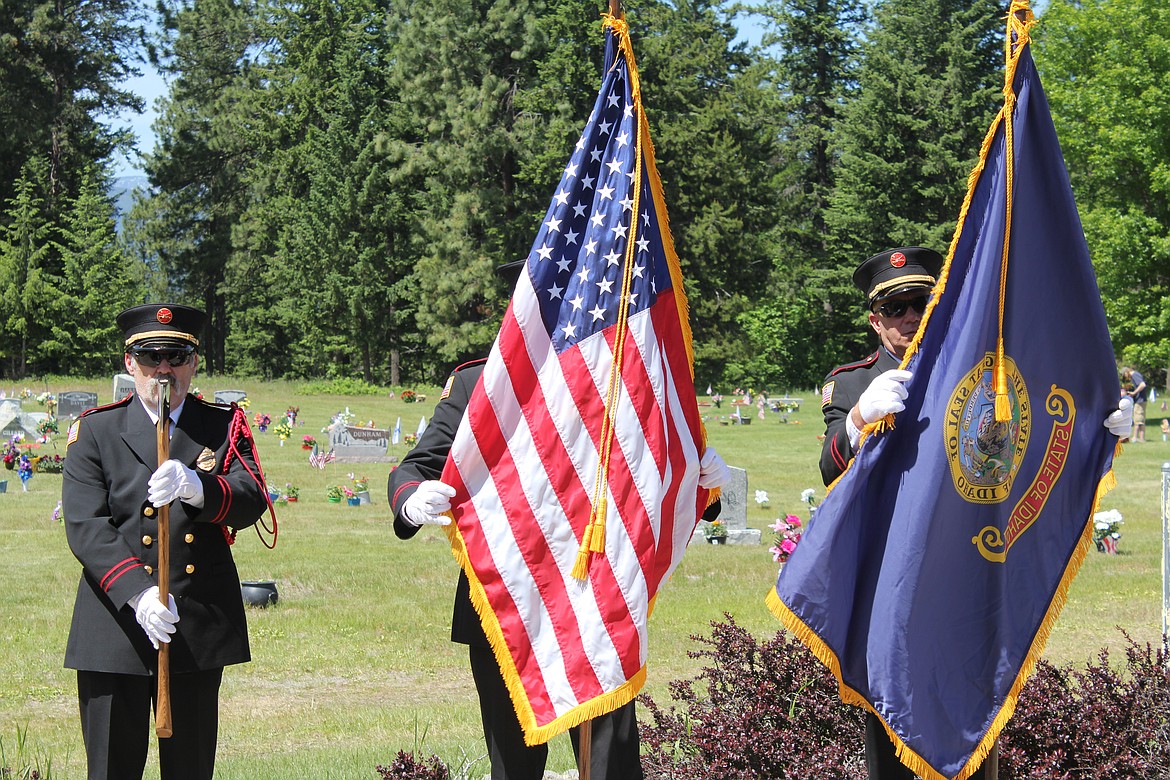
<point>113,487</point>
<point>897,284</point>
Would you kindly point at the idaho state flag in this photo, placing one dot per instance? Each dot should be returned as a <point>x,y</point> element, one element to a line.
<point>576,464</point>
<point>937,563</point>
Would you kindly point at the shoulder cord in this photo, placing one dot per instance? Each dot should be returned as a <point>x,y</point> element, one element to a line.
<point>240,429</point>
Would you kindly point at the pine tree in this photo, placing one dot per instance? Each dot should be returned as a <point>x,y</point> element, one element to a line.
<point>27,286</point>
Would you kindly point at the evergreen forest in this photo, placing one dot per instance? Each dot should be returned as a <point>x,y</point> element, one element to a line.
<point>335,181</point>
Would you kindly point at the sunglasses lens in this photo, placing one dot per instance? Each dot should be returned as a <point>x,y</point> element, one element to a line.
<point>153,358</point>
<point>898,308</point>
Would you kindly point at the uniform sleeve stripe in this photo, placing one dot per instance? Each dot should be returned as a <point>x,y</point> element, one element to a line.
<point>227,500</point>
<point>117,571</point>
<point>402,487</point>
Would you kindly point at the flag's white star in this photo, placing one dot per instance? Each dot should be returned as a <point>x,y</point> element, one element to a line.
<point>570,330</point>
<point>545,252</point>
<point>555,292</point>
<point>612,100</point>
<point>620,230</point>
<point>580,209</point>
<point>591,246</point>
<point>605,127</point>
<point>563,264</point>
<point>598,219</point>
<point>623,139</point>
<point>605,286</point>
<point>571,237</point>
<point>638,269</point>
<point>627,203</point>
<point>628,111</point>
<point>612,257</point>
<point>633,299</point>
<point>605,192</point>
<point>576,302</point>
<point>553,224</point>
<point>614,165</point>
<point>587,182</point>
<point>595,155</point>
<point>571,169</point>
<point>643,244</point>
<point>583,274</point>
<point>561,197</point>
<point>597,312</point>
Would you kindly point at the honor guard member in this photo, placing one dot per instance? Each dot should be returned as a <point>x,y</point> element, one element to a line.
<point>418,498</point>
<point>113,487</point>
<point>897,284</point>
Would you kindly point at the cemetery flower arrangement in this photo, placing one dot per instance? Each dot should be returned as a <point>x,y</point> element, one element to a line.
<point>409,396</point>
<point>716,529</point>
<point>283,430</point>
<point>47,426</point>
<point>26,393</point>
<point>334,493</point>
<point>262,420</point>
<point>308,442</point>
<point>11,453</point>
<point>195,391</point>
<point>1107,530</point>
<point>360,484</point>
<point>788,531</point>
<point>45,397</point>
<point>292,491</point>
<point>49,464</point>
<point>410,438</point>
<point>762,498</point>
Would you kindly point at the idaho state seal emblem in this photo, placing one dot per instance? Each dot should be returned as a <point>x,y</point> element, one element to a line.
<point>984,453</point>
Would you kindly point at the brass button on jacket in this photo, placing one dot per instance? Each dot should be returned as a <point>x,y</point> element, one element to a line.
<point>190,568</point>
<point>148,511</point>
<point>149,569</point>
<point>147,540</point>
<point>189,538</point>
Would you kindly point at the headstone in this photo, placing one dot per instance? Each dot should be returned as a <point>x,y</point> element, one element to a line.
<point>123,386</point>
<point>734,498</point>
<point>230,396</point>
<point>73,402</point>
<point>354,444</point>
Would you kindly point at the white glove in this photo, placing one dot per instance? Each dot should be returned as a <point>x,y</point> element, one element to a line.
<point>885,395</point>
<point>713,472</point>
<point>174,480</point>
<point>1120,423</point>
<point>156,620</point>
<point>428,503</point>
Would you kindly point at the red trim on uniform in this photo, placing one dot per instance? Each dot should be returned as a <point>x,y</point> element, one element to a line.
<point>469,363</point>
<point>869,361</point>
<point>402,487</point>
<point>227,500</point>
<point>125,400</point>
<point>117,571</point>
<point>838,458</point>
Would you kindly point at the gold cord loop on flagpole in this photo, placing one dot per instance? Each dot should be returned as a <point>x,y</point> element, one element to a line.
<point>593,538</point>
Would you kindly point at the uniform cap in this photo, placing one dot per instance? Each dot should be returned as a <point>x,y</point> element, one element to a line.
<point>161,325</point>
<point>896,271</point>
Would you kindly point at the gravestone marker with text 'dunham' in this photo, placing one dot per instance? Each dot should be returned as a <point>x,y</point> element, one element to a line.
<point>354,444</point>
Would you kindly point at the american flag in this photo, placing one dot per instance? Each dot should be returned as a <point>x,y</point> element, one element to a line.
<point>576,464</point>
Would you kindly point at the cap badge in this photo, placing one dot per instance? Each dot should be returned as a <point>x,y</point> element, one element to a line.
<point>897,260</point>
<point>164,315</point>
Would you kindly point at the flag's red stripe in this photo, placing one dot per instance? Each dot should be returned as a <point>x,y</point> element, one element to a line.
<point>502,604</point>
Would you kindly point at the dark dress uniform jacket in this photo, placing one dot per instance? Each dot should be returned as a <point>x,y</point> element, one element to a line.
<point>113,530</point>
<point>425,462</point>
<point>839,393</point>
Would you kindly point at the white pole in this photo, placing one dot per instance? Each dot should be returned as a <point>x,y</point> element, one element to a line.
<point>1165,547</point>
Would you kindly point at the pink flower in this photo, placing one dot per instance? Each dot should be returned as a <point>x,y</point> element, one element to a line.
<point>788,546</point>
<point>777,553</point>
<point>793,521</point>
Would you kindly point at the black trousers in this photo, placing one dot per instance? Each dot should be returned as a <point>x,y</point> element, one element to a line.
<point>116,725</point>
<point>881,759</point>
<point>614,747</point>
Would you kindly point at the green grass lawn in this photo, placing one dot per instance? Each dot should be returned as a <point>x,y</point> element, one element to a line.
<point>354,663</point>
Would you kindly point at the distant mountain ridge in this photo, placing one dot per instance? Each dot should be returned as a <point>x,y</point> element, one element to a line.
<point>122,191</point>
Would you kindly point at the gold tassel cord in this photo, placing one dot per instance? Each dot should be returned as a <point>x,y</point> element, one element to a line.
<point>593,538</point>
